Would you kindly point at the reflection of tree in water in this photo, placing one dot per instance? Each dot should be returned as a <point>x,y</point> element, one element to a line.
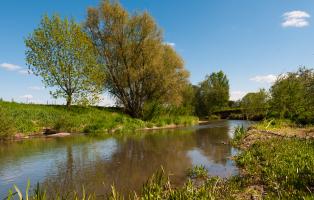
<point>66,175</point>
<point>136,159</point>
<point>129,167</point>
<point>213,144</point>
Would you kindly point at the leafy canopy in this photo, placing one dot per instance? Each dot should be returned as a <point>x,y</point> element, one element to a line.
<point>63,55</point>
<point>292,96</point>
<point>139,66</point>
<point>213,93</point>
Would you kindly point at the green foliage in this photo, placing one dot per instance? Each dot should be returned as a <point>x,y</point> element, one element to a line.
<point>269,124</point>
<point>140,68</point>
<point>212,94</point>
<point>6,124</point>
<point>155,110</point>
<point>254,105</point>
<point>176,120</point>
<point>285,167</point>
<point>159,187</point>
<point>40,194</point>
<point>197,172</point>
<point>239,134</point>
<point>65,58</point>
<point>292,96</point>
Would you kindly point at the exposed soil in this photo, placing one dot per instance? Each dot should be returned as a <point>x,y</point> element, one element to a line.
<point>253,135</point>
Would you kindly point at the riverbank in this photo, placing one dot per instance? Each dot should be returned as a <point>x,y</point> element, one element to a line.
<point>29,120</point>
<point>276,162</point>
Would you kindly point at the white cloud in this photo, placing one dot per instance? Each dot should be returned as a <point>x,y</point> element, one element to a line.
<point>27,96</point>
<point>9,66</point>
<point>270,78</point>
<point>35,88</point>
<point>170,44</point>
<point>236,95</point>
<point>296,19</point>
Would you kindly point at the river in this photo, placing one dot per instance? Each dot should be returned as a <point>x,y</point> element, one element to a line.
<point>126,160</point>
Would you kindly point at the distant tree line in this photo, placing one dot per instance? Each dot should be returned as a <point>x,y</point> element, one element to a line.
<point>291,97</point>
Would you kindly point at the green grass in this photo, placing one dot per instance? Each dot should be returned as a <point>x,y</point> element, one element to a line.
<point>283,166</point>
<point>6,124</point>
<point>158,187</point>
<point>29,119</point>
<point>239,134</point>
<point>270,124</point>
<point>197,172</point>
<point>174,120</point>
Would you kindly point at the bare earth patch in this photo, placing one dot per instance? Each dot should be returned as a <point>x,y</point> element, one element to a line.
<point>253,135</point>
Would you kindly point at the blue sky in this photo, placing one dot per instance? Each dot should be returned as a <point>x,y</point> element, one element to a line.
<point>251,41</point>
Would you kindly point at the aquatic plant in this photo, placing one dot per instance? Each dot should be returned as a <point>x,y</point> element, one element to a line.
<point>198,171</point>
<point>239,134</point>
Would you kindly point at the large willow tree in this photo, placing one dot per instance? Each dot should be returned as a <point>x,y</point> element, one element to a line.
<point>63,55</point>
<point>139,67</point>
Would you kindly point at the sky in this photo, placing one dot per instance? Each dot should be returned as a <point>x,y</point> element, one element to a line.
<point>251,41</point>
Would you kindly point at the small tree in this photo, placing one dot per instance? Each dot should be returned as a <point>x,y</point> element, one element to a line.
<point>213,93</point>
<point>63,55</point>
<point>255,104</point>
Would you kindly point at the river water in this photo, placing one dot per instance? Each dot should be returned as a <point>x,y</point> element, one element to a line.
<point>126,160</point>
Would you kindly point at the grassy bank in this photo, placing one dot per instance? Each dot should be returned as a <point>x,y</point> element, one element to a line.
<point>277,160</point>
<point>29,119</point>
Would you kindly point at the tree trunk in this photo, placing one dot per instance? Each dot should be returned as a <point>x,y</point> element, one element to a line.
<point>69,101</point>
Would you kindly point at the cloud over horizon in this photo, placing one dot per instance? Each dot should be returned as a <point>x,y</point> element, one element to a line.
<point>9,66</point>
<point>170,44</point>
<point>296,19</point>
<point>237,95</point>
<point>270,78</point>
<point>14,67</point>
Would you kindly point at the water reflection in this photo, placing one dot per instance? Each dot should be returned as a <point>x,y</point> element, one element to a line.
<point>127,161</point>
